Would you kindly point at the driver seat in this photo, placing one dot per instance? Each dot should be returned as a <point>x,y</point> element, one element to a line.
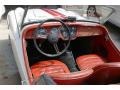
<point>60,72</point>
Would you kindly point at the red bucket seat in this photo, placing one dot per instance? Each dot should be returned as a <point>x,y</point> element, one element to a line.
<point>104,73</point>
<point>59,72</point>
<point>89,61</point>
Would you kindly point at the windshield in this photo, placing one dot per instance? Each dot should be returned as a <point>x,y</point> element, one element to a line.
<point>92,13</point>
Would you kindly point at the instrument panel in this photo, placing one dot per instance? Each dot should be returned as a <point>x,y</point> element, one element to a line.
<point>75,31</point>
<point>42,32</point>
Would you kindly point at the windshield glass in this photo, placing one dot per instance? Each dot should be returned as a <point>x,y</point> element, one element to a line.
<point>91,12</point>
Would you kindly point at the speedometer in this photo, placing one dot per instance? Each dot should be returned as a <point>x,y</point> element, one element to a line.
<point>64,33</point>
<point>73,32</point>
<point>41,33</point>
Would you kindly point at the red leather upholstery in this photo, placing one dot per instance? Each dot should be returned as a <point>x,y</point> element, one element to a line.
<point>48,67</point>
<point>74,78</point>
<point>89,61</point>
<point>107,73</point>
<point>59,72</point>
<point>104,73</point>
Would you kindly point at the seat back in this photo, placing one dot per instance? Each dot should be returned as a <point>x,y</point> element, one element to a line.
<point>73,78</point>
<point>107,73</point>
<point>89,61</point>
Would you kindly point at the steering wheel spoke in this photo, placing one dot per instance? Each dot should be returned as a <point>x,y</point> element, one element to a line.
<point>56,48</point>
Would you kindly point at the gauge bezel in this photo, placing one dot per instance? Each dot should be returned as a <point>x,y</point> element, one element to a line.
<point>40,34</point>
<point>65,36</point>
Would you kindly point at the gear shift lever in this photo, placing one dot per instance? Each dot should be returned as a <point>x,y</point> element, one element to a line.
<point>68,59</point>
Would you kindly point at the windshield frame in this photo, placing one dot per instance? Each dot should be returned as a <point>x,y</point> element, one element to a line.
<point>39,21</point>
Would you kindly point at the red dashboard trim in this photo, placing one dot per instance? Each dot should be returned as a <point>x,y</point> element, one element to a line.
<point>82,30</point>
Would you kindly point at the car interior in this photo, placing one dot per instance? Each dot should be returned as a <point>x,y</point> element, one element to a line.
<point>90,57</point>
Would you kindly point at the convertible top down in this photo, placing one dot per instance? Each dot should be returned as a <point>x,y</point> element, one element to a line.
<point>56,46</point>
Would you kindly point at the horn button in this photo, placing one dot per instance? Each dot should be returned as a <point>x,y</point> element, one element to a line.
<point>53,35</point>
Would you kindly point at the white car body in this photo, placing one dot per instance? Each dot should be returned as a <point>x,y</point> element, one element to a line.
<point>2,10</point>
<point>16,43</point>
<point>14,19</point>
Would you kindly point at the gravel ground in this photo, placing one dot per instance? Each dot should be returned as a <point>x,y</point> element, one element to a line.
<point>8,70</point>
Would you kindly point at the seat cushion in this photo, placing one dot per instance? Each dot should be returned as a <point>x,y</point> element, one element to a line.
<point>107,73</point>
<point>48,67</point>
<point>73,78</point>
<point>60,73</point>
<point>89,61</point>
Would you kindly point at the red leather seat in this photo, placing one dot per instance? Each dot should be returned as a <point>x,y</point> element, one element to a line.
<point>59,72</point>
<point>49,67</point>
<point>104,73</point>
<point>108,73</point>
<point>74,78</point>
<point>89,61</point>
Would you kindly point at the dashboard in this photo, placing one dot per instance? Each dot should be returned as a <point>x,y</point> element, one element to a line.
<point>75,31</point>
<point>43,32</point>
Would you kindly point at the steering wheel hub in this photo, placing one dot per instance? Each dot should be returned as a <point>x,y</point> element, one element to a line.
<point>53,36</point>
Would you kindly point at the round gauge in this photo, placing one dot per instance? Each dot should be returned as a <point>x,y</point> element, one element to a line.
<point>42,33</point>
<point>64,33</point>
<point>73,31</point>
<point>54,30</point>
